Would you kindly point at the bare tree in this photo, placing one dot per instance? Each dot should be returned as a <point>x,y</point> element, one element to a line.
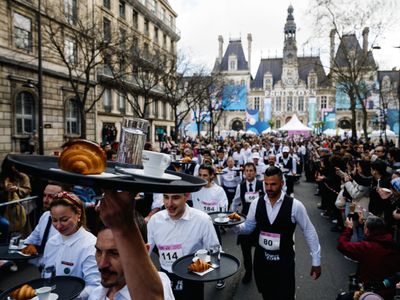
<point>76,39</point>
<point>353,68</point>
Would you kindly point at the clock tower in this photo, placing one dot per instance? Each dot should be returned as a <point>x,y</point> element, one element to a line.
<point>290,73</point>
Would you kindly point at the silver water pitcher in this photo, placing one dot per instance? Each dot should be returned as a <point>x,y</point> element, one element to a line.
<point>132,140</point>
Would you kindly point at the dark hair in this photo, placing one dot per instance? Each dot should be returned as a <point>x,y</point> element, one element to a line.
<point>207,167</point>
<point>206,151</point>
<point>395,153</point>
<point>250,164</point>
<point>272,171</point>
<point>375,225</point>
<point>379,166</point>
<point>365,166</point>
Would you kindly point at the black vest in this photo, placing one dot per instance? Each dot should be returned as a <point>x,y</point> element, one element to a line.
<point>282,225</point>
<point>288,165</point>
<point>243,189</point>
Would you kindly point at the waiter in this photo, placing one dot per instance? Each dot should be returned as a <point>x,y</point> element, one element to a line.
<point>274,219</point>
<point>288,167</point>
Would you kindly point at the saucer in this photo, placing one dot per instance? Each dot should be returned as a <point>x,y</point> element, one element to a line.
<point>196,258</point>
<point>221,220</point>
<point>52,296</point>
<point>140,173</point>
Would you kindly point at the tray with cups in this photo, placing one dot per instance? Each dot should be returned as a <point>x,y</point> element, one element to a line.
<point>227,218</point>
<point>151,177</point>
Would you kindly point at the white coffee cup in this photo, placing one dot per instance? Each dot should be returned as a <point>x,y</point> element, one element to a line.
<point>43,293</point>
<point>221,216</point>
<point>201,254</point>
<point>155,163</point>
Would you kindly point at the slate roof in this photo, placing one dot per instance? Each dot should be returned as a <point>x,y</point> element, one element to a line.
<point>348,43</point>
<point>234,47</point>
<point>274,65</point>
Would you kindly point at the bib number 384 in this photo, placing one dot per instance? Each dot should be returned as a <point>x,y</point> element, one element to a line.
<point>269,241</point>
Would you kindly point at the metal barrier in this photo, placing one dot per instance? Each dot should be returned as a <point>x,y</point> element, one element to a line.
<point>18,201</point>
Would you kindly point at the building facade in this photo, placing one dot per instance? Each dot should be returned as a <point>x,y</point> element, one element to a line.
<point>151,22</point>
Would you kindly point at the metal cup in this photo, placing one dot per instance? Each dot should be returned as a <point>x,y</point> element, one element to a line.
<point>132,139</point>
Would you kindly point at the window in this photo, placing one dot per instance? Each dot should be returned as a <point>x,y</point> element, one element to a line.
<point>122,39</point>
<point>171,21</point>
<point>72,117</point>
<point>232,65</point>
<point>146,27</point>
<point>107,100</point>
<point>312,83</point>
<point>172,46</point>
<point>156,110</point>
<point>135,19</point>
<point>289,104</point>
<point>22,32</point>
<point>156,35</point>
<point>300,104</point>
<point>122,9</point>
<point>146,52</point>
<point>122,104</point>
<point>107,30</point>
<point>107,3</point>
<point>278,104</point>
<point>164,113</point>
<point>70,11</point>
<point>163,14</point>
<point>70,51</point>
<point>24,113</point>
<point>257,103</point>
<point>165,41</point>
<point>324,102</point>
<point>278,123</point>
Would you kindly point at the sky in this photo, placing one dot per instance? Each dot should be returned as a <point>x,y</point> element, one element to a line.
<point>202,21</point>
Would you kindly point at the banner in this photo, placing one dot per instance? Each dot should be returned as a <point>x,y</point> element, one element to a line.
<point>393,120</point>
<point>234,97</point>
<point>267,109</point>
<point>253,123</point>
<point>329,120</point>
<point>312,111</point>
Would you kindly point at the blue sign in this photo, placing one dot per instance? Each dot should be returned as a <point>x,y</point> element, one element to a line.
<point>253,123</point>
<point>234,97</point>
<point>329,120</point>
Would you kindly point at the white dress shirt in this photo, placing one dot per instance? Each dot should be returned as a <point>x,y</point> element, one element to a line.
<point>74,255</point>
<point>231,179</point>
<point>100,293</point>
<point>176,238</point>
<point>237,201</point>
<point>299,215</point>
<point>239,158</point>
<point>36,236</point>
<point>210,199</point>
<point>158,200</point>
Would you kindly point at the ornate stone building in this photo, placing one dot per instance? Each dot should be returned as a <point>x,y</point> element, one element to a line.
<point>151,21</point>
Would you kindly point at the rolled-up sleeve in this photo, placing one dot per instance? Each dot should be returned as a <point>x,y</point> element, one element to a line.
<point>250,224</point>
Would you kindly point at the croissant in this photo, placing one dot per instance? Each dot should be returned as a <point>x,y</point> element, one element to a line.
<point>234,216</point>
<point>186,159</point>
<point>30,250</point>
<point>199,266</point>
<point>25,292</point>
<point>83,157</point>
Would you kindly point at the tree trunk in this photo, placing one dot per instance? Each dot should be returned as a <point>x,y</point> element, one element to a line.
<point>83,124</point>
<point>365,120</point>
<point>353,116</point>
<point>198,127</point>
<point>177,131</point>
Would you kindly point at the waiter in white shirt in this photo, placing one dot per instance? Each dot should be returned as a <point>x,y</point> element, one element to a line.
<point>44,230</point>
<point>231,179</point>
<point>260,166</point>
<point>177,231</point>
<point>288,166</point>
<point>274,218</point>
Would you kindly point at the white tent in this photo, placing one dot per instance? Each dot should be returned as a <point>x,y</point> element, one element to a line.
<point>294,125</point>
<point>381,133</point>
<point>268,130</point>
<point>250,132</point>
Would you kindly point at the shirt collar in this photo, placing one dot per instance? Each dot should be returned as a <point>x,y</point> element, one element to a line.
<point>120,295</point>
<point>186,215</point>
<point>282,196</point>
<point>72,239</point>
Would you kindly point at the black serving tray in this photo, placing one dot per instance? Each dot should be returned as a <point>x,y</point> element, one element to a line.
<point>67,287</point>
<point>44,167</point>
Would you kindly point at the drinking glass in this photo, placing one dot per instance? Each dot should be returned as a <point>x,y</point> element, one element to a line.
<point>49,276</point>
<point>14,242</point>
<point>132,140</point>
<point>215,255</point>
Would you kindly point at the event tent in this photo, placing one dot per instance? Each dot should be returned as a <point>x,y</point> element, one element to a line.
<point>294,126</point>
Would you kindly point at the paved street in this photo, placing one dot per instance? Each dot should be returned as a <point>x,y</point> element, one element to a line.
<point>334,267</point>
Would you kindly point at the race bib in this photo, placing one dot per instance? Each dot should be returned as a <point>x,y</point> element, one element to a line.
<point>169,253</point>
<point>229,176</point>
<point>269,241</point>
<point>251,196</point>
<point>209,206</point>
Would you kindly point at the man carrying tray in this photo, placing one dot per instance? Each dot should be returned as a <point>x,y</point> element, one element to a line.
<point>177,231</point>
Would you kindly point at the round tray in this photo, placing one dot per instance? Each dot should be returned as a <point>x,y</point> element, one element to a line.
<point>221,173</point>
<point>47,167</point>
<point>214,215</point>
<point>13,256</point>
<point>228,267</point>
<point>67,287</point>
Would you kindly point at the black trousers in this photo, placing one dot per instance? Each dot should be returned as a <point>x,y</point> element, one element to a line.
<point>246,245</point>
<point>274,280</point>
<point>185,289</point>
<point>289,184</point>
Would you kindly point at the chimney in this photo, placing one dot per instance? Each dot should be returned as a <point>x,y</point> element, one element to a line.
<point>221,45</point>
<point>249,40</point>
<point>365,40</point>
<point>332,50</point>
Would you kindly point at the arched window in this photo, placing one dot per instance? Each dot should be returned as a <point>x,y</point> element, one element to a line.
<point>72,117</point>
<point>24,113</point>
<point>237,125</point>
